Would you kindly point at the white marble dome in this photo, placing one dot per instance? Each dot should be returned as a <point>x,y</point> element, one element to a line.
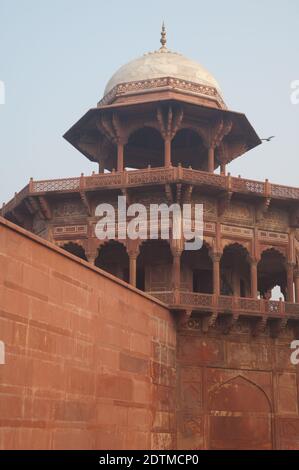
<point>159,64</point>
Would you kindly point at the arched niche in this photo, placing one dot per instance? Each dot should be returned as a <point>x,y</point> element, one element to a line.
<point>188,149</point>
<point>235,271</point>
<point>197,270</point>
<point>145,147</point>
<point>114,259</point>
<point>240,416</point>
<point>271,273</point>
<point>154,266</point>
<point>75,249</point>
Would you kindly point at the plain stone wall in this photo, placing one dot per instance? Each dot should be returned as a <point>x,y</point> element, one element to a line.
<point>89,361</point>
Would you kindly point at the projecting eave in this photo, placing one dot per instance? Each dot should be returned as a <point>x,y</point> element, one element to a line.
<point>84,134</point>
<point>74,134</point>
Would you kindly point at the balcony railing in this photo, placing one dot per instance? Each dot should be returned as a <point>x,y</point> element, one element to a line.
<point>152,176</point>
<point>225,304</point>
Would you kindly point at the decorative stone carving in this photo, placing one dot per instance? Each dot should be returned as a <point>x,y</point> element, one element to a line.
<point>67,230</point>
<point>275,219</point>
<point>237,231</point>
<point>273,236</point>
<point>69,209</point>
<point>239,213</point>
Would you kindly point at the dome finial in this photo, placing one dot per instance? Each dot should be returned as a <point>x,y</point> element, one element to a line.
<point>163,36</point>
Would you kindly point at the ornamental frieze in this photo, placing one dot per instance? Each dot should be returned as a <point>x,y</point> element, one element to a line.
<point>209,205</point>
<point>273,236</point>
<point>69,230</point>
<point>69,209</point>
<point>236,231</point>
<point>275,219</point>
<point>239,213</point>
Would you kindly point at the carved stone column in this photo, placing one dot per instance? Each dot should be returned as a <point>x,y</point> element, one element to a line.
<point>115,132</point>
<point>120,156</point>
<point>176,270</point>
<point>211,160</point>
<point>101,166</point>
<point>169,121</point>
<point>167,152</point>
<point>290,282</point>
<point>216,257</point>
<point>223,169</point>
<point>253,280</point>
<point>133,268</point>
<point>213,136</point>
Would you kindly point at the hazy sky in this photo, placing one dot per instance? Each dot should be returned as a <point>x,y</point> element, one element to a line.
<point>56,57</point>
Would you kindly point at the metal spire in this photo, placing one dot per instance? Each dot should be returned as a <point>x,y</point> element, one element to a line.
<point>163,36</point>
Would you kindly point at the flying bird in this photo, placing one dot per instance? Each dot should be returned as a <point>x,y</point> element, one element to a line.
<point>268,139</point>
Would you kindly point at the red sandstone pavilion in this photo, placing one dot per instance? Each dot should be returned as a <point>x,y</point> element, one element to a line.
<point>201,358</point>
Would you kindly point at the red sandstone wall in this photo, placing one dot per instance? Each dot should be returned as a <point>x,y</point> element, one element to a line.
<point>90,363</point>
<point>236,391</point>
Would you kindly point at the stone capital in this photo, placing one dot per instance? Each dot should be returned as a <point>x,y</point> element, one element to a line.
<point>213,135</point>
<point>216,257</point>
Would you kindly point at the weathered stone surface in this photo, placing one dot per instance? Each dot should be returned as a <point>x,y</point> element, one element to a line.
<point>78,370</point>
<point>84,370</point>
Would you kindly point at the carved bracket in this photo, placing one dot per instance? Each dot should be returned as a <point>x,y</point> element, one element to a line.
<point>183,317</point>
<point>259,326</point>
<point>112,128</point>
<point>230,322</point>
<point>277,326</point>
<point>209,321</point>
<point>188,194</point>
<point>170,123</point>
<point>36,207</point>
<point>85,201</point>
<point>224,202</point>
<point>262,208</point>
<point>45,208</point>
<point>213,135</point>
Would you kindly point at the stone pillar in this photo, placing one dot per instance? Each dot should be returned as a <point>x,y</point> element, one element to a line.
<point>216,273</point>
<point>223,169</point>
<point>211,160</point>
<point>290,282</point>
<point>133,268</point>
<point>253,269</point>
<point>167,152</point>
<point>101,166</point>
<point>297,286</point>
<point>120,157</point>
<point>176,270</point>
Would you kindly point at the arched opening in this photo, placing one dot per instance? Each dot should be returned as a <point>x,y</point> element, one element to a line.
<point>145,147</point>
<point>188,149</point>
<point>154,266</point>
<point>75,249</point>
<point>114,259</point>
<point>240,416</point>
<point>197,271</point>
<point>235,271</point>
<point>272,276</point>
